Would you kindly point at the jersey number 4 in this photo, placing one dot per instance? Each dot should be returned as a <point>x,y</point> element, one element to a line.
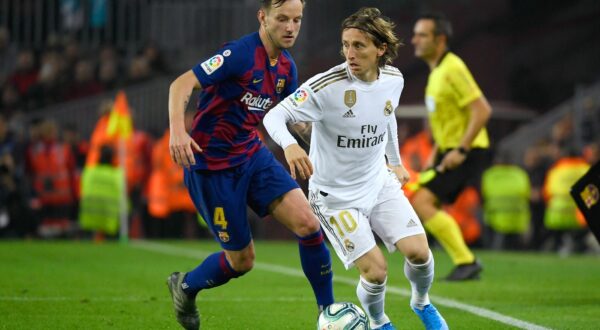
<point>345,223</point>
<point>219,218</point>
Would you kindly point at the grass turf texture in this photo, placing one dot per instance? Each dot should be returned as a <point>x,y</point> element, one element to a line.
<point>75,285</point>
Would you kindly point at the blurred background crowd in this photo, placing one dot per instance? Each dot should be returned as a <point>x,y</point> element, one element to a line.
<point>63,61</point>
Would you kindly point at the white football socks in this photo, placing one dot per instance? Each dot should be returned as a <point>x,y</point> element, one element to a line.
<point>420,277</point>
<point>372,299</point>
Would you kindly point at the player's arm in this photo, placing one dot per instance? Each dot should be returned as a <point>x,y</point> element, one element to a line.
<point>275,123</point>
<point>303,131</point>
<point>181,143</point>
<point>392,152</point>
<point>301,106</point>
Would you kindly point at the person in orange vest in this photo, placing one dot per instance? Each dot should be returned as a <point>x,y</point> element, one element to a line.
<point>50,165</point>
<point>169,202</point>
<point>99,136</point>
<point>138,157</point>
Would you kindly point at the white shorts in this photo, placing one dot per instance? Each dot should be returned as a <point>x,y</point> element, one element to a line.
<point>350,230</point>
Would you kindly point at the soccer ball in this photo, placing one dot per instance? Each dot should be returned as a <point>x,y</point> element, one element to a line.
<point>342,316</point>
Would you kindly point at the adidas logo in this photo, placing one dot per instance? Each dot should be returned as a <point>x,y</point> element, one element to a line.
<point>411,223</point>
<point>349,114</point>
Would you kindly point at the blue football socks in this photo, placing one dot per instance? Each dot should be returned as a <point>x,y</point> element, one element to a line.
<point>215,270</point>
<point>316,263</point>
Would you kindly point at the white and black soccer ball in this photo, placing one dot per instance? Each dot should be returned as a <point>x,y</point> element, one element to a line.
<point>343,316</point>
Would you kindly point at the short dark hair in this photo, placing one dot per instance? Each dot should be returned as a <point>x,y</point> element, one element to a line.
<point>441,22</point>
<point>267,4</point>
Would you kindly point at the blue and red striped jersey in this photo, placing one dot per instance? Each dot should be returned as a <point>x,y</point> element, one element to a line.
<point>239,86</point>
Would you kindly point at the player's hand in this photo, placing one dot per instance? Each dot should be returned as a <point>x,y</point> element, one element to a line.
<point>401,173</point>
<point>451,160</point>
<point>298,161</point>
<point>180,147</point>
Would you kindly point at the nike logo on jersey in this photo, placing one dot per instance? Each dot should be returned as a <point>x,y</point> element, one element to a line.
<point>257,80</point>
<point>349,114</point>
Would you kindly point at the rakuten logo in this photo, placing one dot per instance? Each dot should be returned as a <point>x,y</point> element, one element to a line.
<point>256,103</point>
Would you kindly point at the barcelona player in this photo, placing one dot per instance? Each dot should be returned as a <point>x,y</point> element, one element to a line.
<point>227,166</point>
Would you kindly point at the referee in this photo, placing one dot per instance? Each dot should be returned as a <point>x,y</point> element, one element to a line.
<point>458,112</point>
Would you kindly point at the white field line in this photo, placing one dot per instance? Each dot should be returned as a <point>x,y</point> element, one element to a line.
<point>442,301</point>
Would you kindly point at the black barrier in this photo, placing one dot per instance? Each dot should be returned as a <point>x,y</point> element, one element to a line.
<point>586,193</point>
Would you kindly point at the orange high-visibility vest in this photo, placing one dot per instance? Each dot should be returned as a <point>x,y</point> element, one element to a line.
<point>52,166</point>
<point>166,191</point>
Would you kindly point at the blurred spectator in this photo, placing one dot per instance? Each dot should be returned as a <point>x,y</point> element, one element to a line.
<point>172,211</point>
<point>14,217</point>
<point>98,14</point>
<point>79,149</point>
<point>51,167</point>
<point>561,215</point>
<point>591,153</point>
<point>108,74</point>
<point>155,58</point>
<point>139,70</point>
<point>71,12</point>
<point>8,54</point>
<point>25,74</point>
<point>79,146</point>
<point>47,90</point>
<point>465,210</point>
<point>85,83</point>
<point>536,164</point>
<point>506,192</point>
<point>11,100</point>
<point>101,187</point>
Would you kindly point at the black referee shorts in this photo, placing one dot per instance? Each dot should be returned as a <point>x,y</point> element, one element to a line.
<point>448,185</point>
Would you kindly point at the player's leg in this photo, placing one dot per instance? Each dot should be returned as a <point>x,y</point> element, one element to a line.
<point>418,268</point>
<point>219,205</point>
<point>442,226</point>
<point>371,287</point>
<point>444,188</point>
<point>273,191</point>
<point>397,224</point>
<point>350,235</point>
<point>294,212</point>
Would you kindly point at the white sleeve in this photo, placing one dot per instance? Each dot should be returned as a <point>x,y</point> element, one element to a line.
<point>300,106</point>
<point>392,148</point>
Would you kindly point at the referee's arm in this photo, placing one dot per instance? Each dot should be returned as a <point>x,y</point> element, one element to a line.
<point>481,112</point>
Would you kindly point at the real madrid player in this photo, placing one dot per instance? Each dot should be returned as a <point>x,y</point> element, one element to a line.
<point>227,166</point>
<point>352,191</point>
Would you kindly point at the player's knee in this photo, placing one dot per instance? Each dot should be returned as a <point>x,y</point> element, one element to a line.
<point>376,275</point>
<point>417,255</point>
<point>243,263</point>
<point>374,272</point>
<point>306,224</point>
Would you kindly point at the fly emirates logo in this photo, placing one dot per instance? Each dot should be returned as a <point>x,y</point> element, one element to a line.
<point>369,138</point>
<point>256,102</point>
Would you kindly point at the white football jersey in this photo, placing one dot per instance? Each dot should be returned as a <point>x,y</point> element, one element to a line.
<point>354,126</point>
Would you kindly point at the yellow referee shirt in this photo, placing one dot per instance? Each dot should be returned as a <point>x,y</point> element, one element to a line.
<point>450,88</point>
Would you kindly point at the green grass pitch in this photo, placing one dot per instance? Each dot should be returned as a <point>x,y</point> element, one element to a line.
<point>81,285</point>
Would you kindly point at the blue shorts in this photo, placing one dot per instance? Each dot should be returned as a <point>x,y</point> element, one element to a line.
<point>221,196</point>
